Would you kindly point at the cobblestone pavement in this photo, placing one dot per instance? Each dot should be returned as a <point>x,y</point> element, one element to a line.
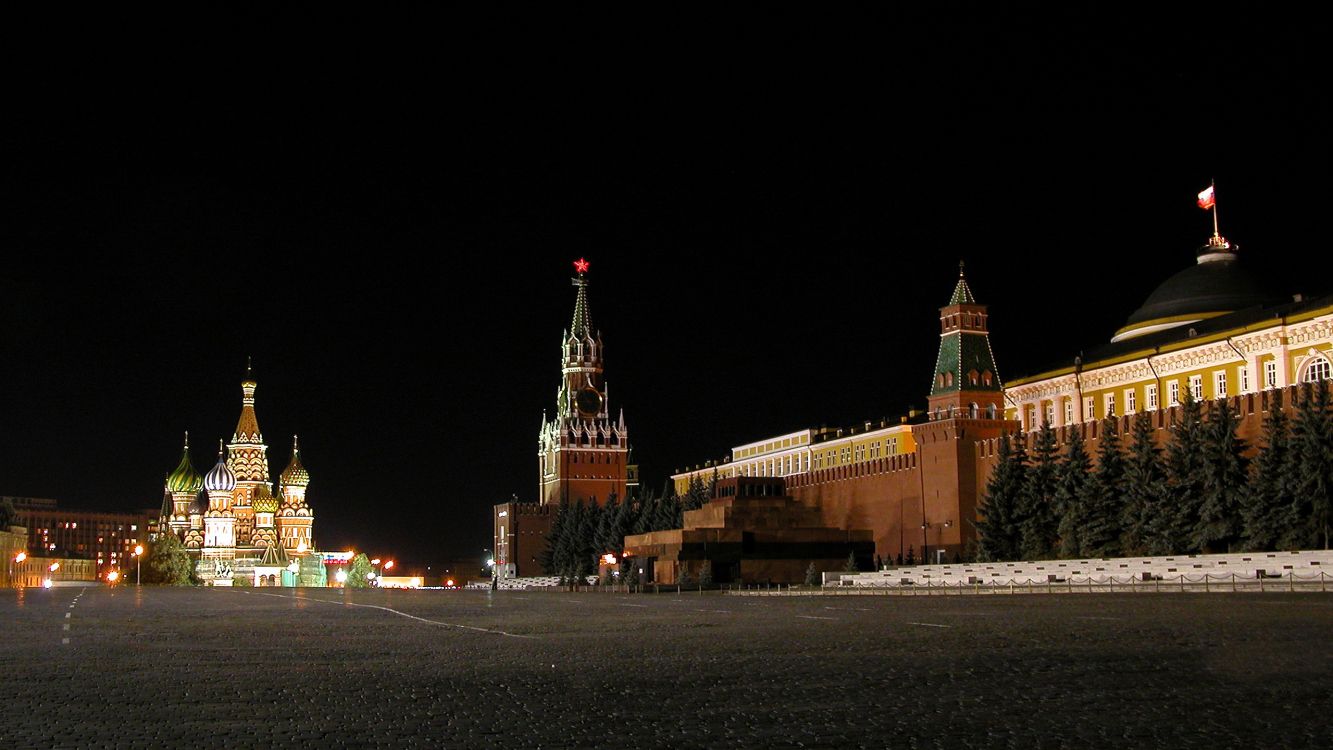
<point>255,668</point>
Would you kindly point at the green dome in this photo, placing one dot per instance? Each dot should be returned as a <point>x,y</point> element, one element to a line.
<point>185,478</point>
<point>264,503</point>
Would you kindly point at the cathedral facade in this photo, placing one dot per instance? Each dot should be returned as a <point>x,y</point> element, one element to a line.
<point>231,521</point>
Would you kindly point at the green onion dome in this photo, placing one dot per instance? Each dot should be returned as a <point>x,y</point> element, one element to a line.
<point>185,478</point>
<point>220,478</point>
<point>264,502</point>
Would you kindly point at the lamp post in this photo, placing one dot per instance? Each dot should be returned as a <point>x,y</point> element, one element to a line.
<point>19,558</point>
<point>925,545</point>
<point>138,556</point>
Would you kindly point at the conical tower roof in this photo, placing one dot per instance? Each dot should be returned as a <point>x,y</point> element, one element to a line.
<point>185,478</point>
<point>582,323</point>
<point>962,293</point>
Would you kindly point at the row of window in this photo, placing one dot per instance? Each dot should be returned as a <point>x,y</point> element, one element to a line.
<point>945,379</point>
<point>1318,369</point>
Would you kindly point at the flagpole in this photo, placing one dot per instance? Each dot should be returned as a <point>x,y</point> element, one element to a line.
<point>1213,184</point>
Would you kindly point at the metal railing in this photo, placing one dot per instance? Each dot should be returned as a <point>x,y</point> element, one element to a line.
<point>1182,583</point>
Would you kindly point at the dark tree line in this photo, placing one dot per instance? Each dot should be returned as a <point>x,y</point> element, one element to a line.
<point>1198,494</point>
<point>583,532</point>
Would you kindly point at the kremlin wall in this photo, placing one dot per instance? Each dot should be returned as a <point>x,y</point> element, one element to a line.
<point>915,486</point>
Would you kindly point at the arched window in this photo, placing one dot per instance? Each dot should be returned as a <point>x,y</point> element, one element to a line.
<point>1317,370</point>
<point>972,377</point>
<point>941,380</point>
<point>948,379</point>
<point>986,377</point>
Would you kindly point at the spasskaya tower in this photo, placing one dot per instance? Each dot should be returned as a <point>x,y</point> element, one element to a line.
<point>582,453</point>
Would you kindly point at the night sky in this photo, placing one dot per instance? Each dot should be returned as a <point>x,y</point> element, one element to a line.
<point>773,213</point>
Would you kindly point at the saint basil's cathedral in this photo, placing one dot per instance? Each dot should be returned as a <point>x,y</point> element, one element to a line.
<point>231,522</point>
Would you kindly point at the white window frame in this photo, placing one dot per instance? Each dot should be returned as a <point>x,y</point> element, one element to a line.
<point>1150,394</point>
<point>1196,387</point>
<point>1220,384</point>
<point>1069,411</point>
<point>1088,414</point>
<point>1173,391</point>
<point>1131,401</point>
<point>1270,374</point>
<point>1108,405</point>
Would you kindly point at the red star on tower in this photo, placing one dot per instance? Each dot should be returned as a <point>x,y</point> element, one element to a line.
<point>581,265</point>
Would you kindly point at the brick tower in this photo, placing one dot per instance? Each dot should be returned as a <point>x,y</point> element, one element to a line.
<point>966,406</point>
<point>582,454</point>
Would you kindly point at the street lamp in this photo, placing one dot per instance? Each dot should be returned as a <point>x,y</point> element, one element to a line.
<point>113,576</point>
<point>19,558</point>
<point>340,576</point>
<point>138,555</point>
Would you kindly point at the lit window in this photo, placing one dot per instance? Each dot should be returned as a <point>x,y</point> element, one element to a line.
<point>1317,371</point>
<point>1069,411</point>
<point>1151,393</point>
<point>1050,413</point>
<point>1087,409</point>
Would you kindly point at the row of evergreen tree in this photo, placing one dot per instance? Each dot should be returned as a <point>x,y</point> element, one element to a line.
<point>583,532</point>
<point>1201,493</point>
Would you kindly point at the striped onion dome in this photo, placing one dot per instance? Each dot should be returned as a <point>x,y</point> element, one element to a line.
<point>264,502</point>
<point>185,478</point>
<point>220,478</point>
<point>295,474</point>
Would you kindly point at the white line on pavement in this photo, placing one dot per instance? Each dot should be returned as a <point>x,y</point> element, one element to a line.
<point>403,614</point>
<point>815,617</point>
<point>929,625</point>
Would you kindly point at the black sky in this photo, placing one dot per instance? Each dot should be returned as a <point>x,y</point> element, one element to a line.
<point>773,210</point>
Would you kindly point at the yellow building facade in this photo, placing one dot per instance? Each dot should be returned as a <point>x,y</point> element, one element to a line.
<point>1209,330</point>
<point>802,452</point>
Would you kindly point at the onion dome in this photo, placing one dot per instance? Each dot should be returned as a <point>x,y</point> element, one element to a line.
<point>220,478</point>
<point>1216,285</point>
<point>185,478</point>
<point>295,474</point>
<point>264,501</point>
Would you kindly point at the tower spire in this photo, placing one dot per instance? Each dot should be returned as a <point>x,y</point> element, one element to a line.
<point>582,325</point>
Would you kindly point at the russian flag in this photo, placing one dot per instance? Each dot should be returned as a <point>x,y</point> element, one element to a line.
<point>1206,200</point>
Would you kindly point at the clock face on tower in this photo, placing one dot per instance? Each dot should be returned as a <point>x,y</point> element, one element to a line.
<point>589,402</point>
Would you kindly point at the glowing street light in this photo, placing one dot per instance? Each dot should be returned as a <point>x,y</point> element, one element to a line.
<point>20,557</point>
<point>388,565</point>
<point>138,555</point>
<point>54,567</point>
<point>46,583</point>
<point>113,576</point>
<point>376,561</point>
<point>340,576</point>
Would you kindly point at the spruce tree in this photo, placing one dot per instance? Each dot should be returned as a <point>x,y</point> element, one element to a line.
<point>569,544</point>
<point>1104,497</point>
<point>998,528</point>
<point>1225,469</point>
<point>812,575</point>
<point>1312,446</point>
<point>1144,488</point>
<point>645,513</point>
<point>1267,504</point>
<point>606,526</point>
<point>588,549</point>
<point>1071,494</point>
<point>1174,524</point>
<point>1037,524</point>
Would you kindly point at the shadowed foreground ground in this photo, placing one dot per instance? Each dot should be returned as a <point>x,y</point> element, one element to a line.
<point>169,667</point>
